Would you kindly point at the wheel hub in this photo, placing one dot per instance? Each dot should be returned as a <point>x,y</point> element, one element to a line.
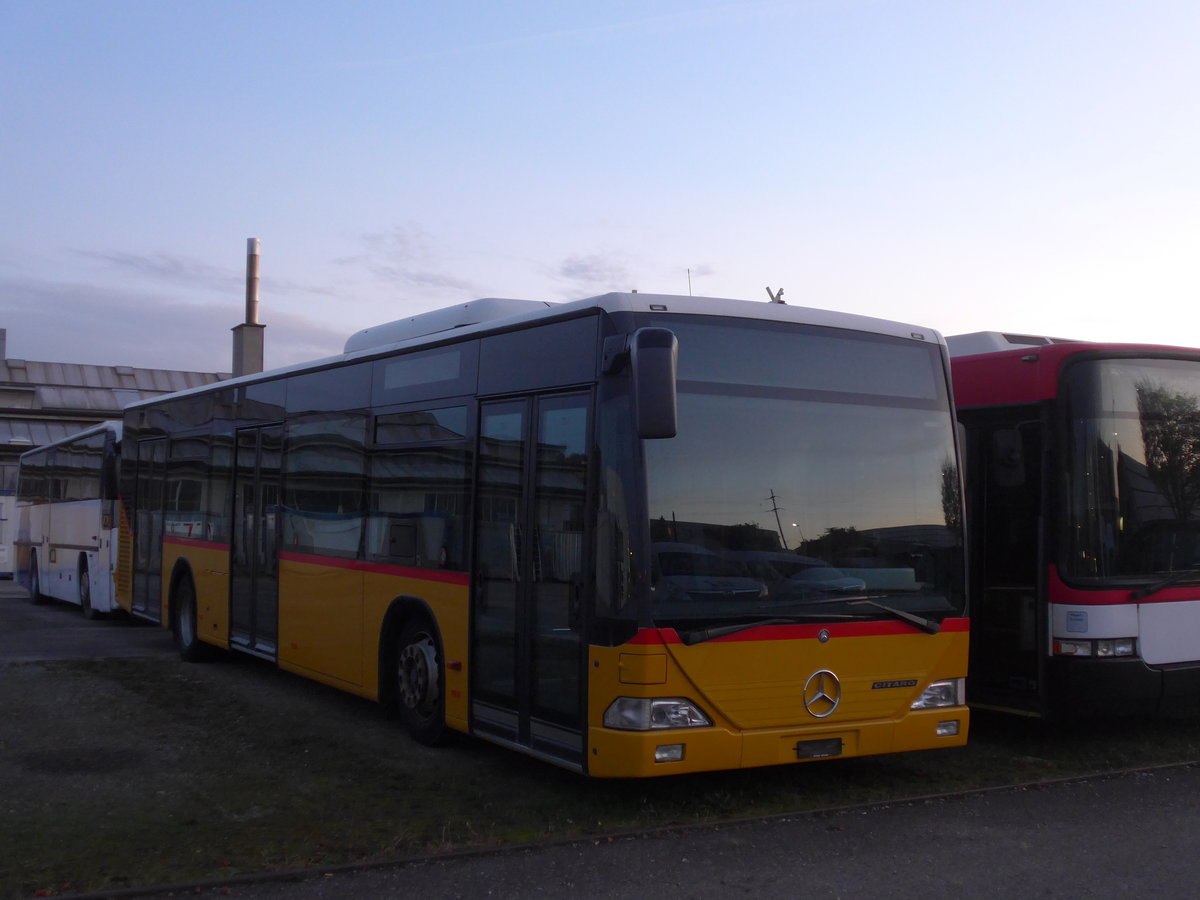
<point>417,681</point>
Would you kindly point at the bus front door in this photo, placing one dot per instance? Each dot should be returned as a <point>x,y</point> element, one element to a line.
<point>531,502</point>
<point>1004,506</point>
<point>148,528</point>
<point>254,575</point>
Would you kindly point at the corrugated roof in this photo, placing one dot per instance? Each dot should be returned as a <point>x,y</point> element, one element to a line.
<point>101,389</point>
<point>19,435</point>
<point>23,371</point>
<point>42,402</point>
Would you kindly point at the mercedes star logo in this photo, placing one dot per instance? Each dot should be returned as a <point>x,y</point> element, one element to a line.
<point>822,693</point>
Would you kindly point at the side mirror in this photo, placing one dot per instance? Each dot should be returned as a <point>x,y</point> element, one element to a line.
<point>653,357</point>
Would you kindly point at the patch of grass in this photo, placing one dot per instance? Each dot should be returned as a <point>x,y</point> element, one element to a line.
<point>148,771</point>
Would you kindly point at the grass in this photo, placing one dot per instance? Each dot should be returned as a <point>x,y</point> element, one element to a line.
<point>138,772</point>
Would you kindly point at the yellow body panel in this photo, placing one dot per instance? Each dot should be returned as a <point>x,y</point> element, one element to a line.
<point>753,691</point>
<point>449,605</point>
<point>321,622</point>
<point>123,573</point>
<point>210,571</point>
<point>331,618</point>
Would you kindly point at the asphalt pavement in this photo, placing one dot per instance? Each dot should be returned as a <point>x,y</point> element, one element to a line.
<point>1132,834</point>
<point>56,630</point>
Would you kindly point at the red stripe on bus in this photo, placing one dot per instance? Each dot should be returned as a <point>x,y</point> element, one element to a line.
<point>801,631</point>
<point>355,565</point>
<point>331,562</point>
<point>1062,593</point>
<point>192,542</point>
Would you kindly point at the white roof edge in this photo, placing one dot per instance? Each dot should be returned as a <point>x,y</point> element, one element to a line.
<point>978,342</point>
<point>439,321</point>
<point>114,425</point>
<point>611,303</point>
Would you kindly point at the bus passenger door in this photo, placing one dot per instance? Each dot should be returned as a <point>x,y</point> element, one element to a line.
<point>1004,506</point>
<point>148,528</point>
<point>531,502</point>
<point>254,575</point>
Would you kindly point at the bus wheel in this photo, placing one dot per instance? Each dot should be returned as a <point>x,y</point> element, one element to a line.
<point>85,592</point>
<point>187,632</point>
<point>419,684</point>
<point>35,581</point>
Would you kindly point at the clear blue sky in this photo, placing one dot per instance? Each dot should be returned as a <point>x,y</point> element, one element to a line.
<point>1014,165</point>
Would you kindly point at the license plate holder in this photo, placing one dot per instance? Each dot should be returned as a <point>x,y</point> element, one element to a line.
<point>819,749</point>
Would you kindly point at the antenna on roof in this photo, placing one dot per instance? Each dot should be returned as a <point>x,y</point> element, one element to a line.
<point>776,296</point>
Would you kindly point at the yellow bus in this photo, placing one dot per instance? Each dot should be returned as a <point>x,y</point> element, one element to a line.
<point>631,535</point>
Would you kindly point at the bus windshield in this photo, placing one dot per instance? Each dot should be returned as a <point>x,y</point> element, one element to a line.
<point>814,468</point>
<point>1133,464</point>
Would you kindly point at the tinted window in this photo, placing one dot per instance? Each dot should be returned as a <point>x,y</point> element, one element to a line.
<point>1133,468</point>
<point>219,501</point>
<point>323,485</point>
<point>33,487</point>
<point>418,426</point>
<point>546,356</point>
<point>768,354</point>
<point>262,402</point>
<point>442,372</point>
<point>183,511</point>
<point>418,493</point>
<point>809,465</point>
<point>347,387</point>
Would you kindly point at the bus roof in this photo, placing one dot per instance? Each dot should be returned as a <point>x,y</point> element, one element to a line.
<point>114,426</point>
<point>995,341</point>
<point>1031,374</point>
<point>490,314</point>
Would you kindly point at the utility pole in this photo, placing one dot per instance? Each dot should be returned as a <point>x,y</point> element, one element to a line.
<point>775,509</point>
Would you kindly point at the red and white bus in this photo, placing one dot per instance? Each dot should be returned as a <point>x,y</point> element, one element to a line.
<point>560,527</point>
<point>1083,500</point>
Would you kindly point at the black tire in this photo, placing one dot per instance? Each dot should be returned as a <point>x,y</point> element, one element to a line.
<point>185,623</point>
<point>85,592</point>
<point>419,683</point>
<point>35,581</point>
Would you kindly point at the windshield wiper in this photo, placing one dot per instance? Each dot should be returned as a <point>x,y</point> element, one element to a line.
<point>1173,578</point>
<point>700,635</point>
<point>926,625</point>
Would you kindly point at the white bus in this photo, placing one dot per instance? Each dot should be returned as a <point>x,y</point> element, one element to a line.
<point>68,519</point>
<point>8,504</point>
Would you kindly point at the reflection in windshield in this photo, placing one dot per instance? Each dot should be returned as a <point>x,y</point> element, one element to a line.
<point>784,500</point>
<point>691,572</point>
<point>1134,468</point>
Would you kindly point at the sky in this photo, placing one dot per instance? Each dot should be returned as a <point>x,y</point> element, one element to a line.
<point>1027,165</point>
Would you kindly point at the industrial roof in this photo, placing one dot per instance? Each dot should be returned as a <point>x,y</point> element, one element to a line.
<point>73,386</point>
<point>46,401</point>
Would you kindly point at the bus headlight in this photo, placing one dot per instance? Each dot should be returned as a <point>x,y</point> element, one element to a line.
<point>951,692</point>
<point>651,714</point>
<point>1105,648</point>
<point>1115,647</point>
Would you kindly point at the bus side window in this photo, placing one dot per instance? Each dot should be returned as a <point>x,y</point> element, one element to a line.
<point>418,489</point>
